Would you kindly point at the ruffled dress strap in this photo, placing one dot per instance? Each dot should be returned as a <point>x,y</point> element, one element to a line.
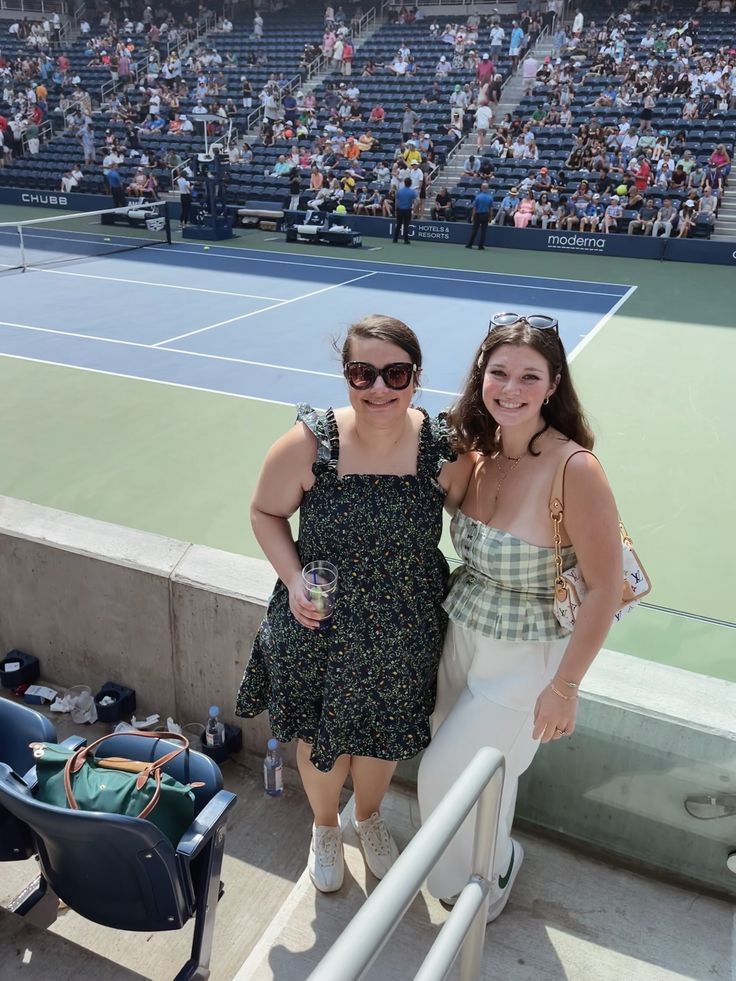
<point>322,424</point>
<point>436,444</point>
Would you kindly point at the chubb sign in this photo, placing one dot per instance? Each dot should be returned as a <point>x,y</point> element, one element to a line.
<point>57,199</point>
<point>578,243</point>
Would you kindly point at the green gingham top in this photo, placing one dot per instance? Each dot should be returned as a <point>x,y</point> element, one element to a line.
<point>504,589</point>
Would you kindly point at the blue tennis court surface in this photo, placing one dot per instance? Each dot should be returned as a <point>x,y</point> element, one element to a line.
<point>256,324</point>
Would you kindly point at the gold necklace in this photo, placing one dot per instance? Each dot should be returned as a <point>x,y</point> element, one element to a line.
<point>514,461</point>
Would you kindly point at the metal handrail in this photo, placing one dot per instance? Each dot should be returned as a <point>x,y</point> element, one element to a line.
<point>45,133</point>
<point>460,147</point>
<point>366,21</point>
<point>78,12</point>
<point>499,5</point>
<point>140,68</point>
<point>34,6</point>
<point>317,66</point>
<point>175,171</point>
<point>255,117</point>
<point>357,947</point>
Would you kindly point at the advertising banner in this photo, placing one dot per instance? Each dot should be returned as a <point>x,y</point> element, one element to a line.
<point>455,233</point>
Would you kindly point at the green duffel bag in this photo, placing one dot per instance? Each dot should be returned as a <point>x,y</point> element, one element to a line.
<point>76,779</point>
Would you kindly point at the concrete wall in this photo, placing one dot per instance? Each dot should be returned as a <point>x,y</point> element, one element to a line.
<point>98,602</point>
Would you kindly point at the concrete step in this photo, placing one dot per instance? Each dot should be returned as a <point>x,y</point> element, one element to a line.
<point>40,954</point>
<point>570,918</point>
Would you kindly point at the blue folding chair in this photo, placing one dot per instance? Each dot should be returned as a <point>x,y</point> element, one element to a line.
<point>122,872</point>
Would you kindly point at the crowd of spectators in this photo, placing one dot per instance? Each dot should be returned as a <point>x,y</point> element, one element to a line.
<point>628,162</point>
<point>40,84</point>
<point>323,159</point>
<point>28,74</point>
<point>336,148</point>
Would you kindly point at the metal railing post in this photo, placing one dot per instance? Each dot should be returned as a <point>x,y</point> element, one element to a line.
<point>357,947</point>
<point>484,851</point>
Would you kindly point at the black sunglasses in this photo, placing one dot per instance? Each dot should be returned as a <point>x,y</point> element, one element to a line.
<point>362,375</point>
<point>539,321</point>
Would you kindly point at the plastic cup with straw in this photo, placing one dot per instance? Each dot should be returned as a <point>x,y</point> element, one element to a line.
<point>320,587</point>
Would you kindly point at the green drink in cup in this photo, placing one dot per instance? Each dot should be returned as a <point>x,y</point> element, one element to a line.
<point>320,586</point>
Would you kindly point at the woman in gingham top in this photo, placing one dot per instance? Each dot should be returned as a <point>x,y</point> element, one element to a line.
<point>509,673</point>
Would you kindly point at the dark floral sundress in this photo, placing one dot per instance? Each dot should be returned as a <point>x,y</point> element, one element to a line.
<point>365,686</point>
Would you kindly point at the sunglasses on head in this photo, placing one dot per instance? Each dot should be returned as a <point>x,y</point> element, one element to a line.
<point>361,375</point>
<point>539,321</point>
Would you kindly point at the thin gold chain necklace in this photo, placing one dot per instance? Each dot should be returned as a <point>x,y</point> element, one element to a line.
<point>514,461</point>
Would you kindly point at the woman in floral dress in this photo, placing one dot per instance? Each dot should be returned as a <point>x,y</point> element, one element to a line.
<point>369,481</point>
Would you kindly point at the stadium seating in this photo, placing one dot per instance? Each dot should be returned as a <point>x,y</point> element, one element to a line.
<point>122,872</point>
<point>283,43</point>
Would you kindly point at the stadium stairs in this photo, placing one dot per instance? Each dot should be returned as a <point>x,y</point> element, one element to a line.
<point>725,226</point>
<point>511,95</point>
<point>320,76</point>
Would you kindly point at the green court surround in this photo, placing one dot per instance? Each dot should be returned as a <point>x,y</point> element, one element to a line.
<point>656,382</point>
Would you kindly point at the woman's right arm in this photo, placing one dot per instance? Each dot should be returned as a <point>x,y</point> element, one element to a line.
<point>285,477</point>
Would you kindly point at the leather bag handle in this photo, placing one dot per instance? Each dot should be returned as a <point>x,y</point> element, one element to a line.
<point>556,513</point>
<point>557,496</point>
<point>153,769</point>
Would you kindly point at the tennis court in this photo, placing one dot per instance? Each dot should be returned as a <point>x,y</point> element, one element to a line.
<point>144,387</point>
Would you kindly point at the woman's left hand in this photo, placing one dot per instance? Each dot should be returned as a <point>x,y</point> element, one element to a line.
<point>553,716</point>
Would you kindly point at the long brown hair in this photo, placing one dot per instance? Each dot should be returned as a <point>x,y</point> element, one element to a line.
<point>475,427</point>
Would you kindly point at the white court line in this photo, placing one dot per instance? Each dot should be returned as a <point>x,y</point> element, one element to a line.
<point>411,275</point>
<point>278,367</point>
<point>144,282</point>
<point>71,333</point>
<point>294,259</point>
<point>253,313</point>
<point>143,378</point>
<point>247,254</point>
<point>189,246</point>
<point>600,325</point>
<point>189,354</point>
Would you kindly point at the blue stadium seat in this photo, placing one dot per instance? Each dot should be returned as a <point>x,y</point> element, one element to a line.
<point>122,872</point>
<point>19,726</point>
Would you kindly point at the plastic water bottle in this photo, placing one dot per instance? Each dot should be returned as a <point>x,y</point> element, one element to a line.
<point>273,770</point>
<point>214,734</point>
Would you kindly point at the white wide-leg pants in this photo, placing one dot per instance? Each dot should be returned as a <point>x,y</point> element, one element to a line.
<point>486,693</point>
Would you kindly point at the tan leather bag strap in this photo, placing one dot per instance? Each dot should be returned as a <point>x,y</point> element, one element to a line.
<point>557,497</point>
<point>151,769</point>
<point>556,513</point>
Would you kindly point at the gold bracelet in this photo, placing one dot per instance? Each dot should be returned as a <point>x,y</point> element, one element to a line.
<point>568,684</point>
<point>568,698</point>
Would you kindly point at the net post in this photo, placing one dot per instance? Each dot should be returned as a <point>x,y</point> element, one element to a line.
<point>21,243</point>
<point>167,218</point>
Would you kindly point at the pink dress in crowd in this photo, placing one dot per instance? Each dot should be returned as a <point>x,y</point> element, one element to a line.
<point>524,213</point>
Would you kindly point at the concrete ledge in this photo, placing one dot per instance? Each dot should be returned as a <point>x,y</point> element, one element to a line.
<point>99,540</point>
<point>708,703</point>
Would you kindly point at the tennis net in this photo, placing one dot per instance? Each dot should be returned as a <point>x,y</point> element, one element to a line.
<point>82,235</point>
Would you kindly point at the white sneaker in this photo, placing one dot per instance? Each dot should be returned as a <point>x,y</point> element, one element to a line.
<point>326,863</point>
<point>379,847</point>
<point>500,889</point>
